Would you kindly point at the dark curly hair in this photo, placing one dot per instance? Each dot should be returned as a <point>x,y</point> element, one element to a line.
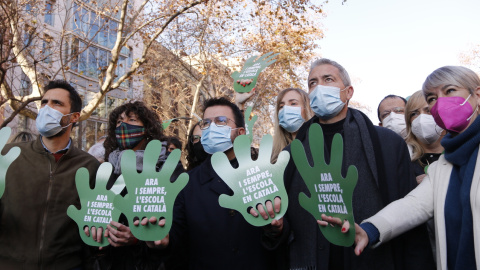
<point>192,161</point>
<point>175,141</point>
<point>150,120</point>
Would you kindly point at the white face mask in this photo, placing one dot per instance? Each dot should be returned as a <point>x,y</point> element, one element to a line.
<point>48,121</point>
<point>425,129</point>
<point>396,123</point>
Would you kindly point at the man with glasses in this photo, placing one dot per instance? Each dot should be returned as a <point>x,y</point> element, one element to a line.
<point>391,114</point>
<point>203,233</point>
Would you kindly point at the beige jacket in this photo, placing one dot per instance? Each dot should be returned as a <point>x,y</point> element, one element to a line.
<point>425,201</point>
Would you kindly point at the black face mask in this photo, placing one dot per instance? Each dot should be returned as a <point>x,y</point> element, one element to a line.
<point>200,154</point>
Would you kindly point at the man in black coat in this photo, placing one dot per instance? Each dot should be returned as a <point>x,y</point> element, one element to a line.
<point>385,175</point>
<point>205,235</point>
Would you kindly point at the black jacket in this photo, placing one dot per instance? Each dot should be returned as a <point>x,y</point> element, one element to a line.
<point>208,236</point>
<point>389,163</point>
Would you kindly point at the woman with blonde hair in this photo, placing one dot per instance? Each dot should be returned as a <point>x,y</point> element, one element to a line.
<point>291,111</point>
<point>450,193</point>
<point>423,134</point>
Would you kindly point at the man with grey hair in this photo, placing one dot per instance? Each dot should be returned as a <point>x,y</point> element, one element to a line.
<point>384,175</point>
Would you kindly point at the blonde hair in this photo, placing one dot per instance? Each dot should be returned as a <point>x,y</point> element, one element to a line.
<point>415,102</point>
<point>456,75</point>
<point>281,137</point>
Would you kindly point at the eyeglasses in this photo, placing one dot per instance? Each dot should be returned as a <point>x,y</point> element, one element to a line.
<point>397,110</point>
<point>196,138</point>
<point>220,121</point>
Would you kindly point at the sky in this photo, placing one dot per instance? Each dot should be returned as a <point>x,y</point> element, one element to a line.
<point>391,46</point>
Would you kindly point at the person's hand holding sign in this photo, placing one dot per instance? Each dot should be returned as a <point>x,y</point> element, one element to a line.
<point>276,226</point>
<point>330,193</point>
<point>361,237</point>
<point>245,80</point>
<point>96,205</point>
<point>157,243</point>
<point>151,195</point>
<point>258,189</point>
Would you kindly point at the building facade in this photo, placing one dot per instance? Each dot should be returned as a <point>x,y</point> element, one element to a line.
<point>73,40</point>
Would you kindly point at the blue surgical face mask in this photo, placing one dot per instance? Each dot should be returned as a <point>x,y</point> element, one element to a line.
<point>216,139</point>
<point>48,121</point>
<point>325,101</point>
<point>290,118</point>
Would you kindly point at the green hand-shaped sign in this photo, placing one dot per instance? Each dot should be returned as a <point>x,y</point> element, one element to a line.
<point>7,159</point>
<point>97,208</point>
<point>253,182</point>
<point>166,123</point>
<point>331,194</point>
<point>249,122</point>
<point>150,193</point>
<point>245,80</point>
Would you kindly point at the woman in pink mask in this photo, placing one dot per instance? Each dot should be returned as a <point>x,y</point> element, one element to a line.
<point>450,193</point>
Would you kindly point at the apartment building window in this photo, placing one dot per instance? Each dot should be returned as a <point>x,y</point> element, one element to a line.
<point>93,27</point>
<point>28,8</point>
<point>103,34</point>
<point>112,33</point>
<point>25,85</point>
<point>31,8</point>
<point>47,49</point>
<point>100,30</point>
<point>49,13</point>
<point>90,61</point>
<point>80,20</point>
<point>28,35</point>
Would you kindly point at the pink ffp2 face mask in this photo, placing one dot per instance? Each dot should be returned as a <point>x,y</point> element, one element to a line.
<point>452,113</point>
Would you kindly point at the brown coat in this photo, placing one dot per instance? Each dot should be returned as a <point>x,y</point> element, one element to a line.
<point>35,231</point>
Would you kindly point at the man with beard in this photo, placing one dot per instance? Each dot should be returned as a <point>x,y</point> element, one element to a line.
<point>35,231</point>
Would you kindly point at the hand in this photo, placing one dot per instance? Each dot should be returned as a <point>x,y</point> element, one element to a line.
<point>153,220</point>
<point>332,221</point>
<point>245,80</point>
<point>275,228</point>
<point>161,244</point>
<point>119,235</point>
<point>361,237</point>
<point>271,209</point>
<point>420,178</point>
<point>241,98</point>
<point>96,234</point>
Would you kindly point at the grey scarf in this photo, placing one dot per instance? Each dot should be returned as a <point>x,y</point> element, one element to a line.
<point>116,156</point>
